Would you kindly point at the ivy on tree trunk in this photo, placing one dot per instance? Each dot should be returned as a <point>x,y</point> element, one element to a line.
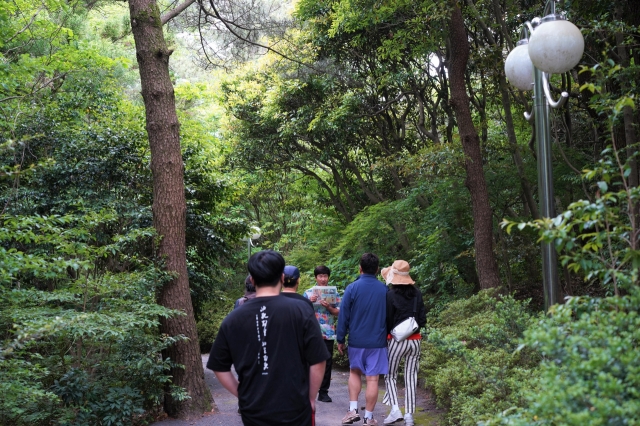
<point>169,205</point>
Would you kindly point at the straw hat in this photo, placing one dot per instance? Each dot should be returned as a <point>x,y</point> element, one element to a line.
<point>397,274</point>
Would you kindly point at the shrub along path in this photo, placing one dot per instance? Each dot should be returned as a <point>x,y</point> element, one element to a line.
<point>327,414</point>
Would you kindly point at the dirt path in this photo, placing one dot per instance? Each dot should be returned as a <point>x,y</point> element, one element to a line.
<point>327,414</point>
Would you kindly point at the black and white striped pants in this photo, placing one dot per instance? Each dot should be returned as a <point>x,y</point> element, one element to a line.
<point>410,351</point>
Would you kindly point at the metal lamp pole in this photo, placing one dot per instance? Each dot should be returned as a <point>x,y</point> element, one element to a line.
<point>254,236</point>
<point>545,186</point>
<point>555,46</point>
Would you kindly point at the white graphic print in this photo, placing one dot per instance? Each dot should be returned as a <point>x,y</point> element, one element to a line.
<point>263,321</point>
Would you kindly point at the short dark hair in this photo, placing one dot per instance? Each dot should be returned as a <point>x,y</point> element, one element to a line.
<point>248,285</point>
<point>321,270</point>
<point>266,267</point>
<point>369,263</point>
<point>289,282</point>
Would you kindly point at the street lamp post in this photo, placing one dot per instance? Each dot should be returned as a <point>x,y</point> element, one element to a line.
<point>555,46</point>
<point>254,236</point>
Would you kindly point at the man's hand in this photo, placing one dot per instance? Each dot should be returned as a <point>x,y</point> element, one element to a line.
<point>331,309</point>
<point>228,381</point>
<point>313,298</point>
<point>316,373</point>
<point>341,348</point>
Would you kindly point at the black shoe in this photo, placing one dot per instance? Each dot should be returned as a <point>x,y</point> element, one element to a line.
<point>324,397</point>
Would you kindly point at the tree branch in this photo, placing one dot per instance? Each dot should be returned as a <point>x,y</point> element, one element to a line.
<point>176,11</point>
<point>232,26</point>
<point>26,27</point>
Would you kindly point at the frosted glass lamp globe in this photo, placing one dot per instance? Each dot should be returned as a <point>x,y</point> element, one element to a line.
<point>556,46</point>
<point>519,69</point>
<point>255,233</point>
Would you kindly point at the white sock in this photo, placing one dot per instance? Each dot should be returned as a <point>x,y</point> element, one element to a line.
<point>353,405</point>
<point>368,414</point>
<point>395,408</point>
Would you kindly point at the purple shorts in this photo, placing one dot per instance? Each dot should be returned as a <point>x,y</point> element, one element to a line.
<point>371,361</point>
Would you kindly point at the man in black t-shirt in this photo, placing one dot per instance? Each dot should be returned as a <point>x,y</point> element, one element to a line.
<point>276,347</point>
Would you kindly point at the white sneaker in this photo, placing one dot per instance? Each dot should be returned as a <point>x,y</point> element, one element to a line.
<point>393,417</point>
<point>408,419</point>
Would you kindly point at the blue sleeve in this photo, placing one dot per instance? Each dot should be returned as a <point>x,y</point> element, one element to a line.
<point>344,316</point>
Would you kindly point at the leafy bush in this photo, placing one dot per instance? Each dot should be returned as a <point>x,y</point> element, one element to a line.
<point>589,369</point>
<point>25,399</point>
<point>470,359</point>
<point>599,238</point>
<point>211,316</point>
<point>79,343</point>
<point>589,373</point>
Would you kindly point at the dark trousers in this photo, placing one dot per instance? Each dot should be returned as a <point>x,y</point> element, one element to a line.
<point>326,380</point>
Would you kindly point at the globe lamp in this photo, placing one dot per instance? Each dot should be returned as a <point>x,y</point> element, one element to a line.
<point>518,67</point>
<point>556,45</point>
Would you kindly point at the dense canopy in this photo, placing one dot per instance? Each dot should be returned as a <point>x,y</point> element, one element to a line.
<point>141,142</point>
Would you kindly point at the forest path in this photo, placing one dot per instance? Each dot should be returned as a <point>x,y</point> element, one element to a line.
<point>327,414</point>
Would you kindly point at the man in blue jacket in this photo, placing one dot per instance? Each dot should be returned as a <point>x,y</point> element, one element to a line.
<point>363,318</point>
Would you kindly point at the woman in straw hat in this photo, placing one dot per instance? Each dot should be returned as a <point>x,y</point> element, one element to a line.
<point>403,295</point>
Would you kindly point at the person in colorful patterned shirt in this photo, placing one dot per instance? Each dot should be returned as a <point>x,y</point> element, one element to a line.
<point>327,315</point>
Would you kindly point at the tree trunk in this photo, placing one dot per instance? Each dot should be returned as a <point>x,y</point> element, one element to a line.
<point>169,206</point>
<point>629,125</point>
<point>486,263</point>
<point>515,149</point>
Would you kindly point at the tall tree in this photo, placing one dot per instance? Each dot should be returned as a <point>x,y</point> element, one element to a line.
<point>486,263</point>
<point>169,206</point>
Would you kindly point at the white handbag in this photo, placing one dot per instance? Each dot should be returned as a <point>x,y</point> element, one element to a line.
<point>407,327</point>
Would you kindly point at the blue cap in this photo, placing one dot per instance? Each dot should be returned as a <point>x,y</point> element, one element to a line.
<point>291,271</point>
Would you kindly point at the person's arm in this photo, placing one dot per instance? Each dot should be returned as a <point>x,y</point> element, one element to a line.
<point>332,309</point>
<point>316,373</point>
<point>422,312</point>
<point>391,311</point>
<point>229,381</point>
<point>344,316</point>
<point>335,309</point>
<point>312,296</point>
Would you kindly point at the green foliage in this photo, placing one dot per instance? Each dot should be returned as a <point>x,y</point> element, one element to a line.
<point>600,238</point>
<point>80,344</point>
<point>470,358</point>
<point>358,152</point>
<point>589,371</point>
<point>211,316</point>
<point>371,230</point>
<point>588,374</point>
<point>442,259</point>
<point>39,50</point>
<point>26,401</point>
<point>344,272</point>
<point>79,341</point>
